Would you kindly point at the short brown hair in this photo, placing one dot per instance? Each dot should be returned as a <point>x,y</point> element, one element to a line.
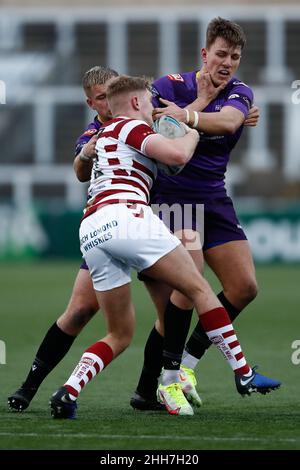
<point>97,76</point>
<point>228,30</point>
<point>125,84</point>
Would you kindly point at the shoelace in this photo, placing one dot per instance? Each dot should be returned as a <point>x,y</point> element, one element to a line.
<point>174,390</point>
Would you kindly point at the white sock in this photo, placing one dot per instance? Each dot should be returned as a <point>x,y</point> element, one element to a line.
<point>169,376</point>
<point>188,360</point>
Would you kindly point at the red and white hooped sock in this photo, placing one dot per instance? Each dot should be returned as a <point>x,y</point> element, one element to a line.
<point>219,329</point>
<point>93,361</point>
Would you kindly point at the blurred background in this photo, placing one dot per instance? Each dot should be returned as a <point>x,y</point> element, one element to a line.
<point>44,51</point>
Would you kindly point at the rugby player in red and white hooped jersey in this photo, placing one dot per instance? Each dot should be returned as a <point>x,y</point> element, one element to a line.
<point>119,232</point>
<point>121,169</point>
<point>83,302</point>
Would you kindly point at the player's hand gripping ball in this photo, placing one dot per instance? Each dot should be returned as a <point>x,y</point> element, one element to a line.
<point>171,128</point>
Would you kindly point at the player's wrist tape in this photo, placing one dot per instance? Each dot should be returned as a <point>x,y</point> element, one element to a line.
<point>187,116</point>
<point>192,120</point>
<point>196,120</point>
<point>83,157</point>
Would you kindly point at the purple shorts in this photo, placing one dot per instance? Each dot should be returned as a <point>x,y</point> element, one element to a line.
<point>221,224</point>
<point>220,221</point>
<point>84,266</point>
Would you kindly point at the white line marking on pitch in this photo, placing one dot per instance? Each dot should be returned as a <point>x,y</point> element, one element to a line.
<point>123,437</point>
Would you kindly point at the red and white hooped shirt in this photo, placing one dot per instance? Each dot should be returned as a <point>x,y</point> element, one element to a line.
<point>121,171</point>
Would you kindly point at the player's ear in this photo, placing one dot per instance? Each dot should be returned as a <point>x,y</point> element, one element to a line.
<point>204,55</point>
<point>135,103</point>
<point>89,103</point>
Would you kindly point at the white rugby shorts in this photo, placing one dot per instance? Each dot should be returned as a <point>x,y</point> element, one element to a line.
<point>119,237</point>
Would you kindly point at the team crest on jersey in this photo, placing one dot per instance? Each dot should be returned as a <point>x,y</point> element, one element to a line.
<point>176,77</point>
<point>247,101</point>
<point>154,91</point>
<point>90,132</point>
<point>240,83</point>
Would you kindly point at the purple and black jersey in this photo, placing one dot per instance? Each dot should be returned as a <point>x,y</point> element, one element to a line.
<point>202,181</point>
<point>91,130</point>
<point>204,175</point>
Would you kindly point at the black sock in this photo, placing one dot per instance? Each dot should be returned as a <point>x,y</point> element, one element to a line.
<point>53,348</point>
<point>199,342</point>
<point>152,366</point>
<point>232,311</point>
<point>177,323</point>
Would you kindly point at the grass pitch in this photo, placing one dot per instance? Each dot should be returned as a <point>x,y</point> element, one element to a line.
<point>32,297</point>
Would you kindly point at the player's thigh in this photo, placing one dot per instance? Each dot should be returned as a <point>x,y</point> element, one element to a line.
<point>160,295</point>
<point>179,271</point>
<point>233,264</point>
<point>191,240</point>
<point>82,305</point>
<point>83,295</point>
<point>160,292</point>
<point>118,310</point>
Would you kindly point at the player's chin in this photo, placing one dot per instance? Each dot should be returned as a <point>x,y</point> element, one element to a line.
<point>221,79</point>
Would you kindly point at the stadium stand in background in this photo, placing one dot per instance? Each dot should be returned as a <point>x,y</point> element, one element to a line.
<point>44,52</point>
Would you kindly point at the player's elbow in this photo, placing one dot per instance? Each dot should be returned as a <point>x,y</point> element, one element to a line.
<point>82,178</point>
<point>230,127</point>
<point>178,157</point>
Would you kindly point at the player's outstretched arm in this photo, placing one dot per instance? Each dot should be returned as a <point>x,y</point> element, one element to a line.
<point>227,121</point>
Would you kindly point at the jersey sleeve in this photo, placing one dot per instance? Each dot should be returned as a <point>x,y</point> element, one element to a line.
<point>162,88</point>
<point>84,138</point>
<point>138,136</point>
<point>240,97</point>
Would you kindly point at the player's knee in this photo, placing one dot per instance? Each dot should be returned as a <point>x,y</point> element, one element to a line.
<point>160,327</point>
<point>75,319</point>
<point>252,290</point>
<point>248,291</point>
<point>83,314</point>
<point>198,286</point>
<point>181,300</point>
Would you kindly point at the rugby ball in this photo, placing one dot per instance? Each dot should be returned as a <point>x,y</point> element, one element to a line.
<point>171,128</point>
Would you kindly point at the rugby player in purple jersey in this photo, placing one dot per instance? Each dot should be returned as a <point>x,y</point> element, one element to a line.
<point>217,103</point>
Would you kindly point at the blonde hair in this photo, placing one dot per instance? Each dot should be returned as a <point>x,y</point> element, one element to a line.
<point>97,76</point>
<point>125,84</point>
